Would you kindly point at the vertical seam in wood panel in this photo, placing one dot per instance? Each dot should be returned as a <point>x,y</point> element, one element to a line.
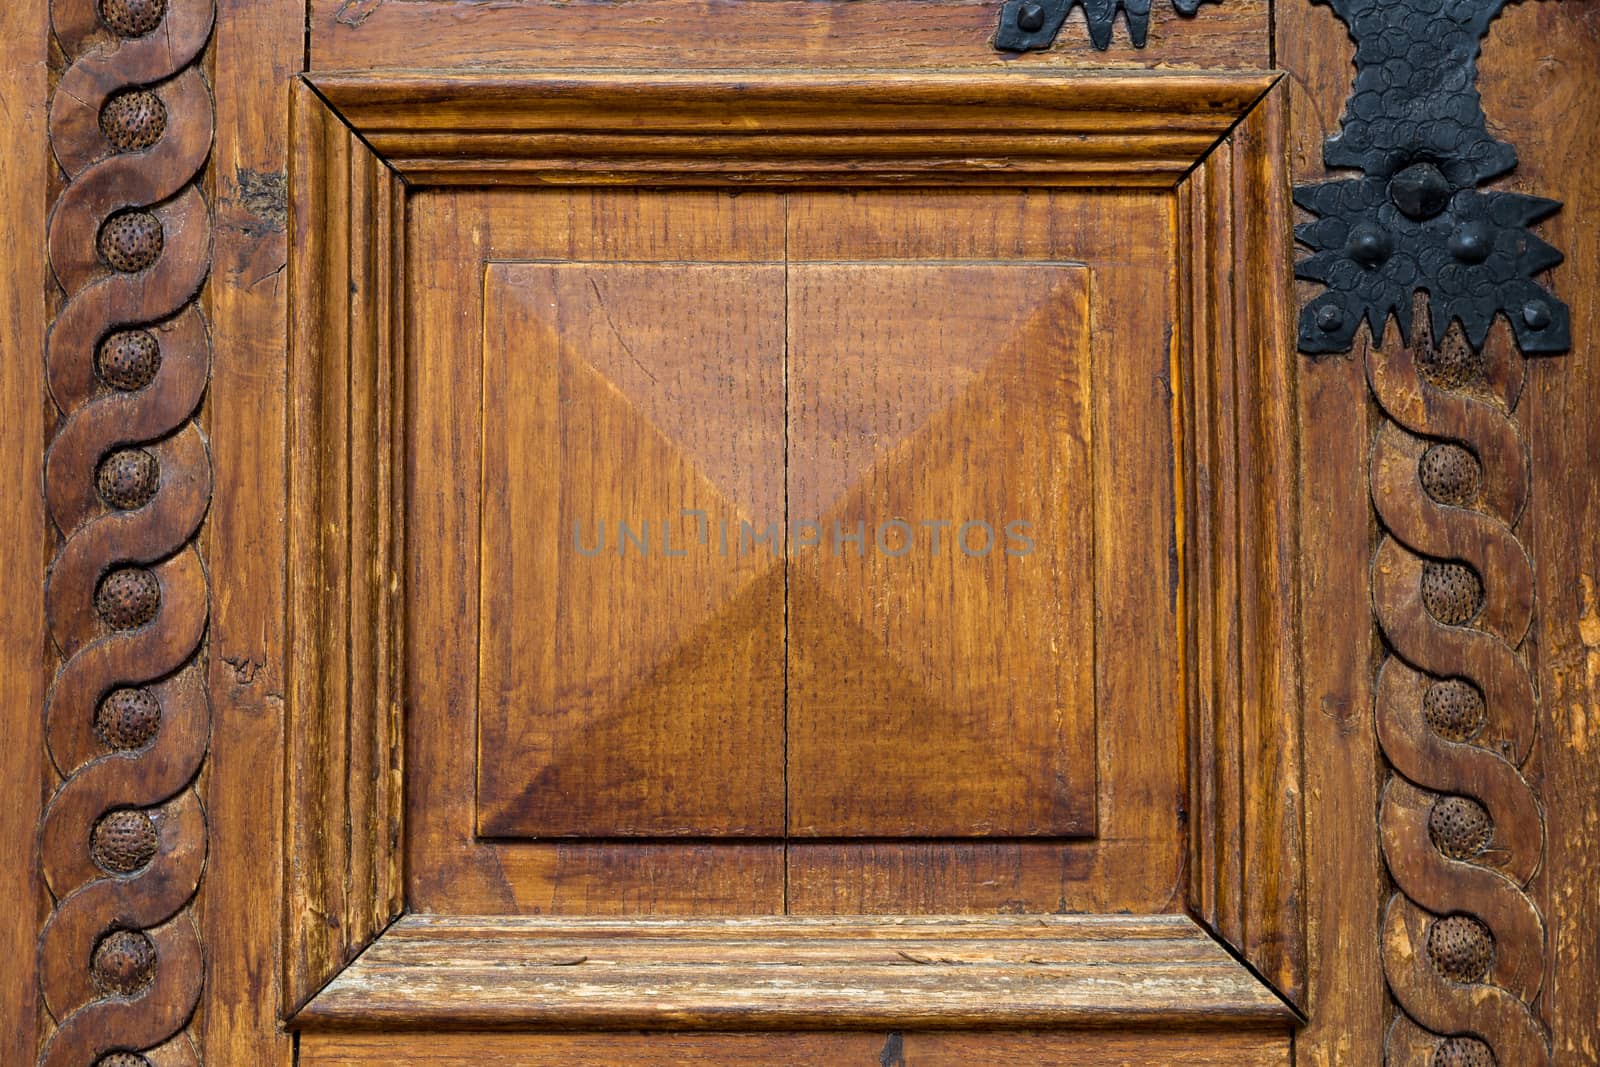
<point>786,561</point>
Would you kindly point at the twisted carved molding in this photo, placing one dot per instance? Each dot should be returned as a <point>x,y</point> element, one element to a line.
<point>1452,589</point>
<point>127,483</point>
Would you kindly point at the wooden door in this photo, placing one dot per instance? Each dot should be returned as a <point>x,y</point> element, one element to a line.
<point>798,532</point>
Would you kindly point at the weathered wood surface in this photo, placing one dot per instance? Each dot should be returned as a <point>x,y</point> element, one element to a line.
<point>27,174</point>
<point>366,34</point>
<point>1239,525</point>
<point>1539,61</point>
<point>1057,1048</point>
<point>345,606</point>
<point>256,46</point>
<point>1539,75</point>
<point>1137,861</point>
<point>1537,78</point>
<point>631,673</point>
<point>466,973</point>
<point>785,128</point>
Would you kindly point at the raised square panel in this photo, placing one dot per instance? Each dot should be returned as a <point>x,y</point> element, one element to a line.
<point>940,666</point>
<point>631,675</point>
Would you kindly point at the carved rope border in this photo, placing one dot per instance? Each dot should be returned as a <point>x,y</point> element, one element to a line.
<point>1414,238</point>
<point>1463,944</point>
<point>127,483</point>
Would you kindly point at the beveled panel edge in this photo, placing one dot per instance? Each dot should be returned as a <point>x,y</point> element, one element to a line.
<point>345,603</point>
<point>1235,375</point>
<point>951,127</point>
<point>786,973</point>
<point>1232,846</point>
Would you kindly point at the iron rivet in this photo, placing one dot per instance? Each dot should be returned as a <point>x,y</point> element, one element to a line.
<point>1030,18</point>
<point>1369,244</point>
<point>1470,243</point>
<point>1421,191</point>
<point>1536,313</point>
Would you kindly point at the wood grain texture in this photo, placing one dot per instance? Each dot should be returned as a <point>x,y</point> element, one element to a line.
<point>631,675</point>
<point>257,46</point>
<point>26,174</point>
<point>471,973</point>
<point>449,867</point>
<point>361,34</point>
<point>786,128</point>
<point>940,678</point>
<point>1346,884</point>
<point>1241,548</point>
<point>1136,863</point>
<point>1540,62</point>
<point>1043,1048</point>
<point>345,597</point>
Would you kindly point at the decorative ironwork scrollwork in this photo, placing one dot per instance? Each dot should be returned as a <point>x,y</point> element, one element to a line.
<point>127,483</point>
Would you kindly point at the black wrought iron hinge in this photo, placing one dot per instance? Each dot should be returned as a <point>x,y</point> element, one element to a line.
<point>1416,220</point>
<point>1032,25</point>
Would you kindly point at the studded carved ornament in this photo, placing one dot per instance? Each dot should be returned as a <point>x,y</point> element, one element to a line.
<point>127,481</point>
<point>1456,710</point>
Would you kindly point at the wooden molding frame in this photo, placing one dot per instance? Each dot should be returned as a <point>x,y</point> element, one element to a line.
<point>345,603</point>
<point>1217,140</point>
<point>952,127</point>
<point>1240,582</point>
<point>794,974</point>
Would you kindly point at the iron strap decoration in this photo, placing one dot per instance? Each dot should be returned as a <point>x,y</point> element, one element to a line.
<point>1415,238</point>
<point>1415,219</point>
<point>127,483</point>
<point>1032,25</point>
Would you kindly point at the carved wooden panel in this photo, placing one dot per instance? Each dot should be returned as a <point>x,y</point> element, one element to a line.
<point>548,317</point>
<point>941,650</point>
<point>814,521</point>
<point>631,678</point>
<point>254,816</point>
<point>1456,709</point>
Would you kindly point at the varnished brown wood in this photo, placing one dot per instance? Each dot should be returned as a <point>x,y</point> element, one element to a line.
<point>345,598</point>
<point>26,172</point>
<point>940,665</point>
<point>363,34</point>
<point>1540,64</point>
<point>1052,1048</point>
<point>944,128</point>
<point>1240,544</point>
<point>1346,885</point>
<point>1252,166</point>
<point>257,44</point>
<point>1537,86</point>
<point>1138,864</point>
<point>450,868</point>
<point>127,482</point>
<point>631,677</point>
<point>1519,78</point>
<point>467,973</point>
